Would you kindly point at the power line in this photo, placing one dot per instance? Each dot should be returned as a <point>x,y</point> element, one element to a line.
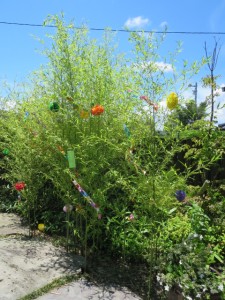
<point>118,30</point>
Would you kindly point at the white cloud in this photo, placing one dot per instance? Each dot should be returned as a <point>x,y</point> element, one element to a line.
<point>136,22</point>
<point>159,65</point>
<point>164,66</point>
<point>163,24</point>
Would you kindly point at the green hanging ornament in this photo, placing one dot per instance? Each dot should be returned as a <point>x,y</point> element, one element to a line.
<point>5,151</point>
<point>54,106</point>
<point>71,159</point>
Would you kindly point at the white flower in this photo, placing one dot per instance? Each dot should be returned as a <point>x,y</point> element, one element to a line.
<point>195,235</point>
<point>200,237</point>
<point>220,287</point>
<point>180,262</point>
<point>198,296</point>
<point>167,288</point>
<point>189,298</point>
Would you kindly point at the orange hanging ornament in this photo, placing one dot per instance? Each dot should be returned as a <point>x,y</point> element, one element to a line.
<point>97,110</point>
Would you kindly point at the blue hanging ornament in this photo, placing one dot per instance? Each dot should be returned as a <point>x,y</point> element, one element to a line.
<point>180,195</point>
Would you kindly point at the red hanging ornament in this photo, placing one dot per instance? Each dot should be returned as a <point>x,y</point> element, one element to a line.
<point>19,186</point>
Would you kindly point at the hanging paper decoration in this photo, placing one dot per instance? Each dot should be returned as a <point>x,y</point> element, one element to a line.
<point>41,227</point>
<point>131,217</point>
<point>155,106</point>
<point>71,159</point>
<point>126,130</point>
<point>84,114</point>
<point>19,186</point>
<point>97,110</point>
<point>143,97</point>
<point>172,101</point>
<point>26,115</point>
<point>67,208</point>
<point>5,151</point>
<point>54,106</point>
<point>180,195</point>
<point>87,198</point>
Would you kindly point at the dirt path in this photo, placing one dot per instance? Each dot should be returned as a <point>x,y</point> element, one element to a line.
<point>27,264</point>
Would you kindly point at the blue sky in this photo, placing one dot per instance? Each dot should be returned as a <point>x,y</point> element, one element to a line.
<point>18,51</point>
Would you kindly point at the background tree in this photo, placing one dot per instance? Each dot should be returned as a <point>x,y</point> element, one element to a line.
<point>188,113</point>
<point>210,80</point>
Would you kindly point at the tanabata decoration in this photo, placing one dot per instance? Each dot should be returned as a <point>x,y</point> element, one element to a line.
<point>67,208</point>
<point>172,101</point>
<point>26,115</point>
<point>41,227</point>
<point>87,198</point>
<point>84,114</point>
<point>61,150</point>
<point>126,130</point>
<point>19,186</point>
<point>97,110</point>
<point>71,159</point>
<point>145,98</point>
<point>54,106</point>
<point>5,151</point>
<point>180,195</point>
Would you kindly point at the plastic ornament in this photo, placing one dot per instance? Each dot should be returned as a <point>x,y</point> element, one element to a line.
<point>41,227</point>
<point>97,110</point>
<point>180,195</point>
<point>5,151</point>
<point>131,217</point>
<point>54,106</point>
<point>67,208</point>
<point>172,101</point>
<point>19,186</point>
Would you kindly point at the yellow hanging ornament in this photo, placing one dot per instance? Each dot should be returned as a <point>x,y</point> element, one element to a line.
<point>172,100</point>
<point>41,227</point>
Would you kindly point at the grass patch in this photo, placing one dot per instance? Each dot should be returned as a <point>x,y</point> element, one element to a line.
<point>50,286</point>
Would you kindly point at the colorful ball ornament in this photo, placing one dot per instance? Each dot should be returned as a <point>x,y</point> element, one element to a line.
<point>180,195</point>
<point>5,151</point>
<point>97,110</point>
<point>41,227</point>
<point>19,186</point>
<point>172,101</point>
<point>54,106</point>
<point>67,208</point>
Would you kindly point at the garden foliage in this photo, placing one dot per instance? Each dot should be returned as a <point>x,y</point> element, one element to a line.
<point>129,169</point>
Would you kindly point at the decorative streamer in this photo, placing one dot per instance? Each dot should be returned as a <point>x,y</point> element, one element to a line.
<point>145,98</point>
<point>87,197</point>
